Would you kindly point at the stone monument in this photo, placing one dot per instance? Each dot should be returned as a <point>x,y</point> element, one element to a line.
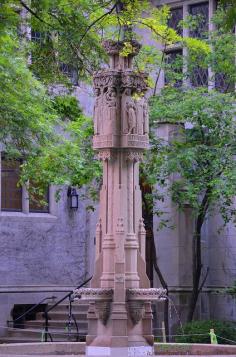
<point>120,315</point>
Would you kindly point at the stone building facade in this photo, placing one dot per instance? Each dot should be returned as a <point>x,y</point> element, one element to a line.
<point>44,251</point>
<point>174,249</point>
<point>51,252</point>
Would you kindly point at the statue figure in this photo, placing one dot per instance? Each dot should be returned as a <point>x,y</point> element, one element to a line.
<point>145,117</point>
<point>140,115</point>
<point>111,111</point>
<point>131,116</point>
<point>124,121</point>
<point>97,111</point>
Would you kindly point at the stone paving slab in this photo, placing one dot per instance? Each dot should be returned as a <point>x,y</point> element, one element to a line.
<point>58,355</point>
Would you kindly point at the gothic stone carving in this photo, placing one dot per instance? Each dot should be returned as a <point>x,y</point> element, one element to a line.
<point>116,112</point>
<point>146,294</point>
<point>137,297</point>
<point>134,114</point>
<point>134,141</point>
<point>110,112</point>
<point>132,80</point>
<point>120,225</point>
<point>104,79</point>
<point>115,47</point>
<point>102,298</point>
<point>136,311</point>
<point>135,156</point>
<point>93,294</point>
<point>131,116</point>
<point>104,155</point>
<point>145,117</point>
<point>103,310</point>
<point>97,111</point>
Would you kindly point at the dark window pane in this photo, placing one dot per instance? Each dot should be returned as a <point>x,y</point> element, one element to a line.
<point>199,77</point>
<point>176,17</point>
<point>223,83</point>
<point>70,72</point>
<point>37,36</point>
<point>39,200</point>
<point>200,12</point>
<point>11,194</point>
<point>174,68</point>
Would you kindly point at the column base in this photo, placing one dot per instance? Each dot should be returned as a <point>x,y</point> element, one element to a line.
<point>139,351</point>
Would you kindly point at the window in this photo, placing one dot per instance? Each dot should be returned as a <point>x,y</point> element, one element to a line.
<point>37,37</point>
<point>14,197</point>
<point>70,72</point>
<point>174,61</point>
<point>199,77</point>
<point>11,193</point>
<point>223,84</point>
<point>200,13</point>
<point>176,15</point>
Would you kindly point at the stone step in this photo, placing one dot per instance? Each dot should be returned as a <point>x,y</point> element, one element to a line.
<point>25,339</point>
<point>80,306</point>
<point>60,324</point>
<point>62,315</point>
<point>58,318</point>
<point>37,333</point>
<point>43,349</point>
<point>13,339</point>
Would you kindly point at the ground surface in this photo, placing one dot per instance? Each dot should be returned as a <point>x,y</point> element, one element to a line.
<point>59,355</point>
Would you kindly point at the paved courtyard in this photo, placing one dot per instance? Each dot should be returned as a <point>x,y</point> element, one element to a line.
<point>1,355</point>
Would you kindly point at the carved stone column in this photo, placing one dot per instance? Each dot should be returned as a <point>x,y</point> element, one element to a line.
<point>121,136</point>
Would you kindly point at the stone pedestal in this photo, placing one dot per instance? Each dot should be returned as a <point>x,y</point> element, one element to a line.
<point>120,315</point>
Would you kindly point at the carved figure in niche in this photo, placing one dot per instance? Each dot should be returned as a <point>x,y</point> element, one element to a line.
<point>131,116</point>
<point>125,99</point>
<point>110,122</point>
<point>140,112</point>
<point>145,117</point>
<point>97,112</point>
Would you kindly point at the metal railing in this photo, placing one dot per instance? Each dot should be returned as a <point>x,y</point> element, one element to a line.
<point>30,310</point>
<point>71,317</point>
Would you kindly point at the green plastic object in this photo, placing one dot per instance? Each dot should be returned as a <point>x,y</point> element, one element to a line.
<point>213,337</point>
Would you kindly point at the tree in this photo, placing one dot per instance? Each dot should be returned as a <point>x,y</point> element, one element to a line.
<point>203,156</point>
<point>65,34</point>
<point>230,13</point>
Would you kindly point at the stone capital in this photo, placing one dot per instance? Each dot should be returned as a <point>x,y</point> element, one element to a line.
<point>115,47</point>
<point>105,155</point>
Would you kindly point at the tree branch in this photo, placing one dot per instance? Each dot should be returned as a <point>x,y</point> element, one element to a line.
<point>32,12</point>
<point>96,21</point>
<point>204,280</point>
<point>159,72</point>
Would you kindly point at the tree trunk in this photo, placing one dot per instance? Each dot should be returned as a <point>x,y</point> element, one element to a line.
<point>148,219</point>
<point>197,257</point>
<point>164,285</point>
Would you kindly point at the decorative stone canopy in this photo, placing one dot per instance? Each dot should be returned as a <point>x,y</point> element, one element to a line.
<point>120,110</point>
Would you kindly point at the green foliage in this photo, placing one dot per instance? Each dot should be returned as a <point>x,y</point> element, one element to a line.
<point>26,114</point>
<point>229,19</point>
<point>72,34</point>
<point>69,161</point>
<point>203,154</point>
<point>198,332</point>
<point>231,290</point>
<point>67,107</point>
<point>195,166</point>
